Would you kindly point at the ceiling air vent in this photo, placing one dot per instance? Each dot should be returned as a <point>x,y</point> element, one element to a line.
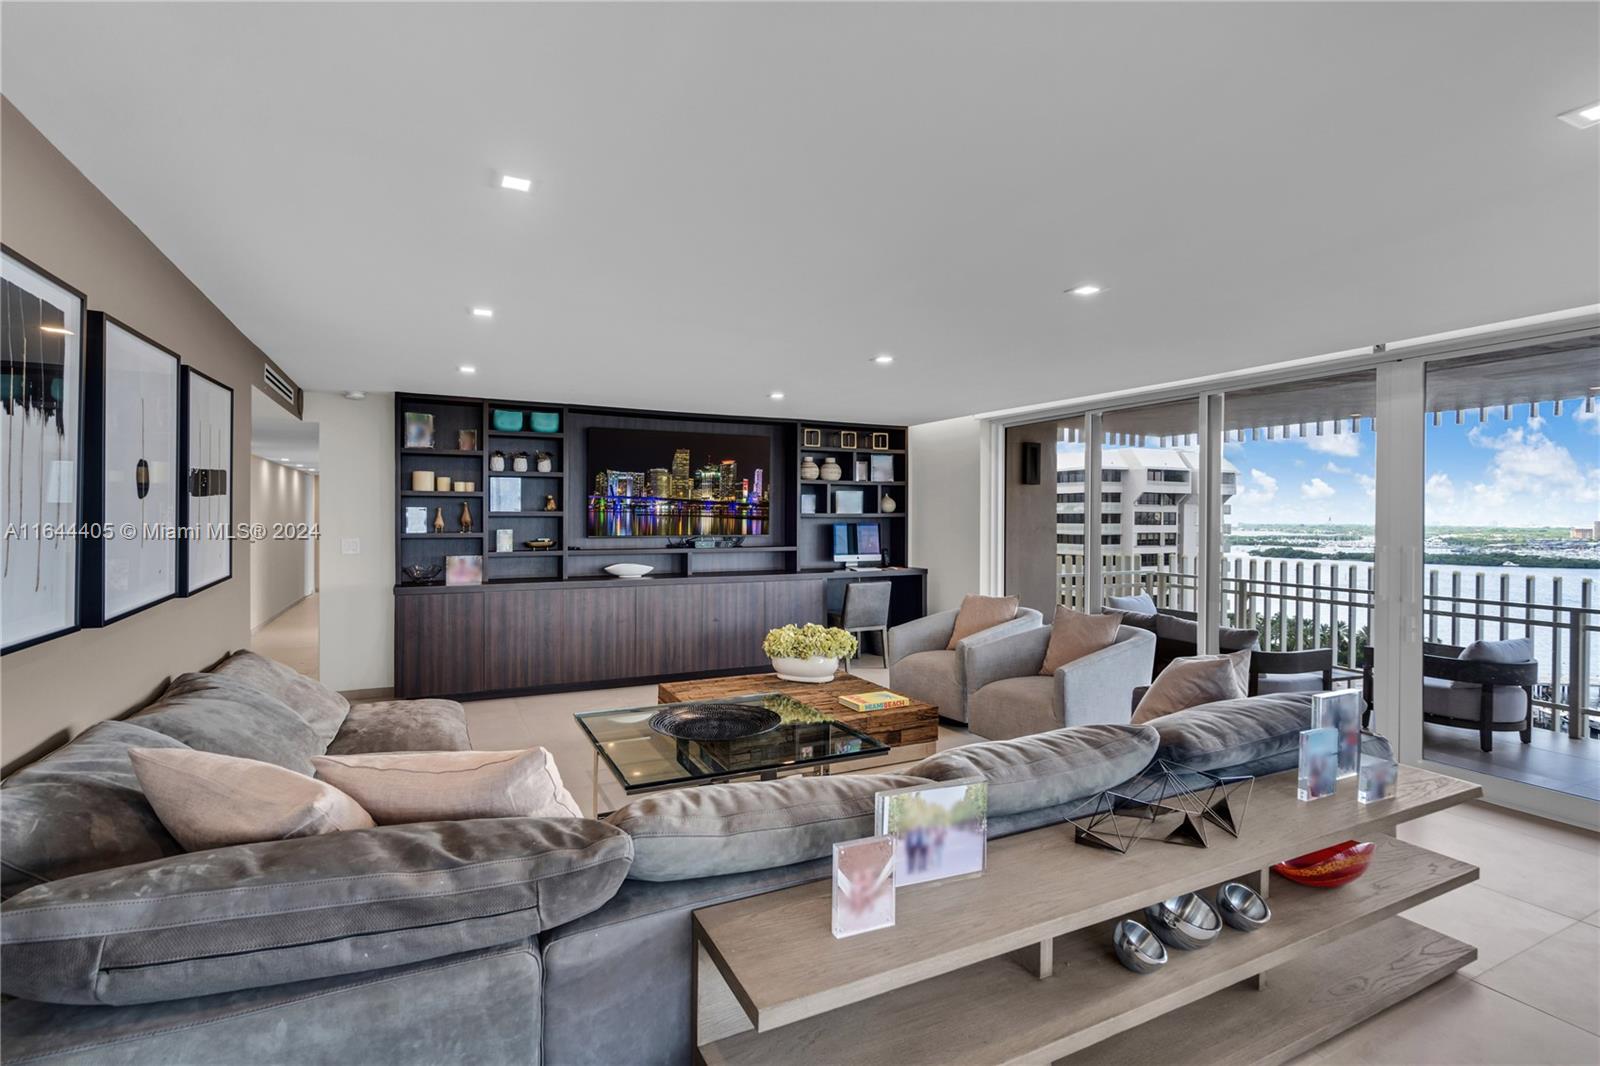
<point>278,383</point>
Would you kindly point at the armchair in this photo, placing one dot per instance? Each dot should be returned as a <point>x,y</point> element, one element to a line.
<point>1310,670</point>
<point>1013,699</point>
<point>922,667</point>
<point>1473,688</point>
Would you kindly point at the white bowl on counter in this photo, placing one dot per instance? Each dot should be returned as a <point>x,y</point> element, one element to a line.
<point>628,569</point>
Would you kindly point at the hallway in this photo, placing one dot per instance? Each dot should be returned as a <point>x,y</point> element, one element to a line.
<point>291,637</point>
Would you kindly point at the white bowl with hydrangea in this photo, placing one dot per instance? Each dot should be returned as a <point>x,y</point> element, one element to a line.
<point>808,653</point>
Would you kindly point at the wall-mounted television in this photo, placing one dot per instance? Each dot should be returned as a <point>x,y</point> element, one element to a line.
<point>663,483</point>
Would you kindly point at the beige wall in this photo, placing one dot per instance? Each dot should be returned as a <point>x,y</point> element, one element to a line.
<point>945,507</point>
<point>51,214</point>
<point>279,573</point>
<point>356,589</point>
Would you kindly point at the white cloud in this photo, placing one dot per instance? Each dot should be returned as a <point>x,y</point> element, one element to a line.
<point>1369,483</point>
<point>1345,445</point>
<point>1589,420</point>
<point>1262,489</point>
<point>1334,468</point>
<point>1530,481</point>
<point>1316,489</point>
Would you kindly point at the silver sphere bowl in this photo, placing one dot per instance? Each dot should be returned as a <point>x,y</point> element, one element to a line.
<point>1137,947</point>
<point>1242,907</point>
<point>1184,922</point>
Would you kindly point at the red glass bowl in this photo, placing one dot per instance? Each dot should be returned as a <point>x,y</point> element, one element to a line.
<point>1330,867</point>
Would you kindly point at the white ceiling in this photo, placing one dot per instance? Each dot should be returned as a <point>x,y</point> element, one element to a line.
<point>734,199</point>
<point>277,435</point>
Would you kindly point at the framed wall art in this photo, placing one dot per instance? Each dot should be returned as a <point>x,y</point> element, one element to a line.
<point>131,479</point>
<point>206,494</point>
<point>41,448</point>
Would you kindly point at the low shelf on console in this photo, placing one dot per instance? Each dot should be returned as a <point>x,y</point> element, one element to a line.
<point>945,985</point>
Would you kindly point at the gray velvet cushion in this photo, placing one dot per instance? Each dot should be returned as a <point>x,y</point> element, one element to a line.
<point>1187,630</point>
<point>734,828</point>
<point>228,717</point>
<point>1140,604</point>
<point>297,910</point>
<point>932,677</point>
<point>322,708</point>
<point>80,809</point>
<point>402,725</point>
<point>1253,735</point>
<point>1046,769</point>
<point>1453,699</point>
<point>479,1007</point>
<point>1311,681</point>
<point>1515,650</point>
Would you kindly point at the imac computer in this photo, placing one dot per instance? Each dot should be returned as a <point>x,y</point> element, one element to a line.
<point>858,545</point>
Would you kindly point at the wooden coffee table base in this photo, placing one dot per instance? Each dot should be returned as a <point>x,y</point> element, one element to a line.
<point>913,726</point>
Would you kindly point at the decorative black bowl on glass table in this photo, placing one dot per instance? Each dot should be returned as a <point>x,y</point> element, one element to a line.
<point>714,721</point>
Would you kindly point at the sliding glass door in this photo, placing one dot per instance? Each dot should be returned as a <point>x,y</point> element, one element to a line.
<point>1297,537</point>
<point>1511,624</point>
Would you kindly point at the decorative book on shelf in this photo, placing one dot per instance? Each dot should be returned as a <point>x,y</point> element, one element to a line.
<point>880,700</point>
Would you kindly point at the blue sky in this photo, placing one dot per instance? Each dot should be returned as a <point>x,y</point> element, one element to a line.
<point>1543,471</point>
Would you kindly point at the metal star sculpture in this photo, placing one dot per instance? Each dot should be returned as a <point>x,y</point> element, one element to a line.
<point>1118,820</point>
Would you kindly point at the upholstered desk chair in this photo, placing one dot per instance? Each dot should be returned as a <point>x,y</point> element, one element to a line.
<point>865,610</point>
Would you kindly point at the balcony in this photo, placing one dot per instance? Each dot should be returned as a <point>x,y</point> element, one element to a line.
<point>1300,604</point>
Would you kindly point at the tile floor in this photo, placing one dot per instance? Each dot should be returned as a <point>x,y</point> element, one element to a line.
<point>1549,760</point>
<point>1533,996</point>
<point>291,637</point>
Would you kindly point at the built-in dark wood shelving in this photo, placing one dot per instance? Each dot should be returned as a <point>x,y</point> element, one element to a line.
<point>701,610</point>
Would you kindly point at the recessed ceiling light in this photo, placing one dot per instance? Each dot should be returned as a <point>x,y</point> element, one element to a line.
<point>508,181</point>
<point>355,394</point>
<point>883,359</point>
<point>774,395</point>
<point>468,369</point>
<point>283,458</point>
<point>1582,117</point>
<point>1087,289</point>
<point>60,330</point>
<point>483,312</point>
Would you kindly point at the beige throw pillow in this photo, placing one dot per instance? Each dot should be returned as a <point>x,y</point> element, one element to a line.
<point>215,801</point>
<point>1191,681</point>
<point>978,613</point>
<point>1074,634</point>
<point>435,786</point>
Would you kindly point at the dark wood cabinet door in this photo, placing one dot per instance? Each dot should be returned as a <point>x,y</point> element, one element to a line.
<point>796,603</point>
<point>439,644</point>
<point>733,626</point>
<point>670,623</point>
<point>559,636</point>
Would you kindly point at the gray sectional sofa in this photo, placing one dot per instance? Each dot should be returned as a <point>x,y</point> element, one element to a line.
<point>493,940</point>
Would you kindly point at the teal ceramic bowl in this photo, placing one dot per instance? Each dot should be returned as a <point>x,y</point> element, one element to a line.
<point>544,421</point>
<point>507,421</point>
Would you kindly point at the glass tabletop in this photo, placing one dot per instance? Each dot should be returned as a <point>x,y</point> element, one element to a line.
<point>644,759</point>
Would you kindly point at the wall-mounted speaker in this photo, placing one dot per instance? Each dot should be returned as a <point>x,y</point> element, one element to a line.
<point>1032,458</point>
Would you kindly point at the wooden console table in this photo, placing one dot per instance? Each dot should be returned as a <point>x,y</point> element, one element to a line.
<point>1017,965</point>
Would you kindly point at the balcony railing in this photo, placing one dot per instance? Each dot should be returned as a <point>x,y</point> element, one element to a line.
<point>1296,604</point>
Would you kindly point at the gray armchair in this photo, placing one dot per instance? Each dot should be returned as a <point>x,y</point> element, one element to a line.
<point>1012,699</point>
<point>921,667</point>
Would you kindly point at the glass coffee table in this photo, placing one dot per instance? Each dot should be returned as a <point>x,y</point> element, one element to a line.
<point>644,760</point>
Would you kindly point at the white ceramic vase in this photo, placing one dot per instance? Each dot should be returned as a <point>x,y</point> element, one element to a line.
<point>831,470</point>
<point>817,670</point>
<point>887,504</point>
<point>808,469</point>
